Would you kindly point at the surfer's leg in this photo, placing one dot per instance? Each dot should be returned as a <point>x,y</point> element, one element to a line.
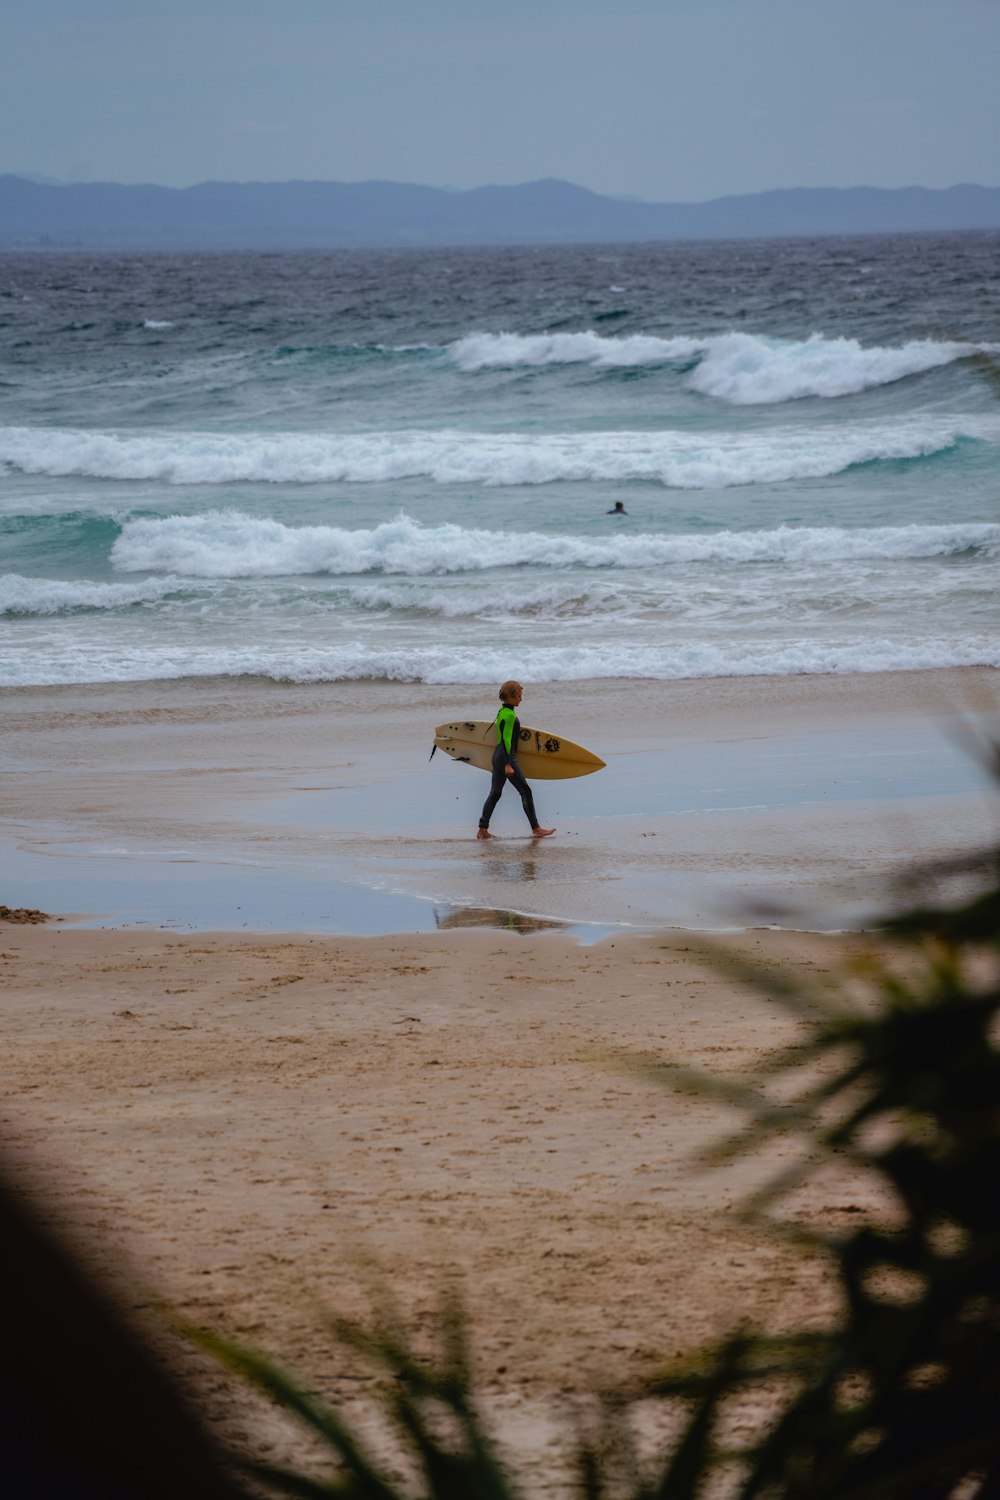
<point>528,803</point>
<point>527,800</point>
<point>496,788</point>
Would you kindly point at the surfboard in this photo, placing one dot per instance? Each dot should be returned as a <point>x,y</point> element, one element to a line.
<point>542,756</point>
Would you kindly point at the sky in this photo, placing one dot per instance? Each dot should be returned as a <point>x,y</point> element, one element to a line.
<point>668,100</point>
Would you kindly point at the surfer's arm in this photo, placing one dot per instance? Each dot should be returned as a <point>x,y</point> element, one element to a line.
<point>515,740</point>
<point>510,731</point>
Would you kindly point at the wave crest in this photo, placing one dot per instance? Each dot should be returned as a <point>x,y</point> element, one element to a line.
<point>51,596</point>
<point>510,351</point>
<point>228,544</point>
<point>742,369</point>
<point>467,665</point>
<point>676,459</point>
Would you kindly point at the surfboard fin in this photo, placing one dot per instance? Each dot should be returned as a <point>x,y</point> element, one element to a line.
<point>433,748</point>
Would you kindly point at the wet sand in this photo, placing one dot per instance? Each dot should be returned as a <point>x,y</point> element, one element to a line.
<point>246,805</point>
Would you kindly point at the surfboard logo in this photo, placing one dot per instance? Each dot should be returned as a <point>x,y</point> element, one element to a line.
<point>551,746</point>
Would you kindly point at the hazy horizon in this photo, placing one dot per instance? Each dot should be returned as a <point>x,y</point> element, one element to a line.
<point>43,179</point>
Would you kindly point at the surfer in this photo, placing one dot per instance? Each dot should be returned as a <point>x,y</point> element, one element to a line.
<point>618,509</point>
<point>505,766</point>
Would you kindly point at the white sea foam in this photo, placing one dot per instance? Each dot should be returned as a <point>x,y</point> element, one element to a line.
<point>747,370</point>
<point>555,599</point>
<point>508,351</point>
<point>157,323</point>
<point>675,458</point>
<point>741,368</point>
<point>228,544</point>
<point>713,598</point>
<point>457,664</point>
<point>20,595</point>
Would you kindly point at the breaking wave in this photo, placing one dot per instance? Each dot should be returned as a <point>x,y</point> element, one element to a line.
<point>460,664</point>
<point>740,368</point>
<point>228,544</point>
<point>50,596</point>
<point>676,458</point>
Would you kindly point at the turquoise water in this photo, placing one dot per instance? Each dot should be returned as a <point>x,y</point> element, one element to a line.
<point>398,465</point>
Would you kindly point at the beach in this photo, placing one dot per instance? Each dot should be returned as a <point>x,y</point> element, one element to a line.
<point>251,1132</point>
<point>266,521</point>
<point>241,1101</point>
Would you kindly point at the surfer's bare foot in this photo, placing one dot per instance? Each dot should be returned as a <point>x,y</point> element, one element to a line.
<point>541,833</point>
<point>483,833</point>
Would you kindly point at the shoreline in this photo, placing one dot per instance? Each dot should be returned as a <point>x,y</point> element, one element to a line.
<point>943,679</point>
<point>216,804</point>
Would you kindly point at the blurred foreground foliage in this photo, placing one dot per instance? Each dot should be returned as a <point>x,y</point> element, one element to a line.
<point>87,1410</point>
<point>895,1076</point>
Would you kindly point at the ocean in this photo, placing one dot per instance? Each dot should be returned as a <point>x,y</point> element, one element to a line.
<point>398,464</point>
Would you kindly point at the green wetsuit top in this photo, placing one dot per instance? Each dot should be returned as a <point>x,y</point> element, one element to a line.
<point>508,731</point>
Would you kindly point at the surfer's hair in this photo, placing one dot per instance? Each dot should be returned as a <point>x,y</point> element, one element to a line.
<point>509,690</point>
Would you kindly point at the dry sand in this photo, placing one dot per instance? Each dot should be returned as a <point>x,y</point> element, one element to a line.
<point>239,1122</point>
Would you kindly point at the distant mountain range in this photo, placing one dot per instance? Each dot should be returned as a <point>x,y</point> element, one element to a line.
<point>316,215</point>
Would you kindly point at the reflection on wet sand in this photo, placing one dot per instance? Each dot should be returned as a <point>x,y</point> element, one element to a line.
<point>490,916</point>
<point>511,866</point>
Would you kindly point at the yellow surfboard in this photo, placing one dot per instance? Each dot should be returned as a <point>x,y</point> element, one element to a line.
<point>541,756</point>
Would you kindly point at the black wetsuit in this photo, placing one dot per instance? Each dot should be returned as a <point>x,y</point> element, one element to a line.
<point>505,754</point>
